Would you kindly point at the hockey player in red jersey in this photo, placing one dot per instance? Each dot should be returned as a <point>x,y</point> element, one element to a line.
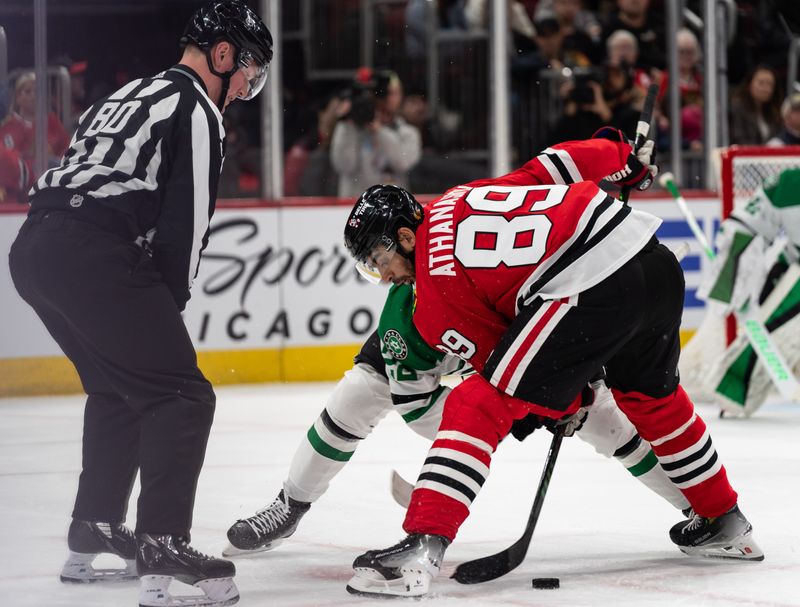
<point>537,279</point>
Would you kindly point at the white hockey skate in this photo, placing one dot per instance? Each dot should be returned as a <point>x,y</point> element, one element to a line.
<point>267,528</point>
<point>405,569</point>
<point>729,536</point>
<point>162,558</point>
<point>87,540</point>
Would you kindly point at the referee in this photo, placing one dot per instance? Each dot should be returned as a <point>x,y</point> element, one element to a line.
<point>106,258</point>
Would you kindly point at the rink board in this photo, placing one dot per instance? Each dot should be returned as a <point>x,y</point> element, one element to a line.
<point>276,298</point>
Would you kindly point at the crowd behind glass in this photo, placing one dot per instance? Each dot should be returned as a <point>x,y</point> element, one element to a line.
<point>595,60</point>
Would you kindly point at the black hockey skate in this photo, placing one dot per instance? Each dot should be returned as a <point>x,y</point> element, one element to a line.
<point>405,569</point>
<point>160,558</point>
<point>88,539</point>
<point>727,536</point>
<point>267,528</point>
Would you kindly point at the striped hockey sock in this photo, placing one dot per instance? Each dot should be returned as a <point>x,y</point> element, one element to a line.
<point>683,446</point>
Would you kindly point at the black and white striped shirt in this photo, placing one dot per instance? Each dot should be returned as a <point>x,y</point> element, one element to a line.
<point>153,151</point>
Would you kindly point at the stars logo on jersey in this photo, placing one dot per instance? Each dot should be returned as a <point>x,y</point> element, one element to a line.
<point>395,344</point>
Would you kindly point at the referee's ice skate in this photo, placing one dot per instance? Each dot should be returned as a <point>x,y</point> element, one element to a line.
<point>160,558</point>
<point>405,569</point>
<point>267,528</point>
<point>727,536</point>
<point>87,540</point>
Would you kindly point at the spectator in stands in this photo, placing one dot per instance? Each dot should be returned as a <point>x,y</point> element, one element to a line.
<point>790,132</point>
<point>585,110</point>
<point>17,130</point>
<point>15,177</point>
<point>77,75</point>
<point>450,14</point>
<point>550,52</point>
<point>690,90</point>
<point>373,144</point>
<point>755,108</point>
<point>232,179</point>
<point>435,172</point>
<point>636,17</point>
<point>620,96</point>
<point>622,50</point>
<point>523,33</point>
<point>307,169</point>
<point>581,29</point>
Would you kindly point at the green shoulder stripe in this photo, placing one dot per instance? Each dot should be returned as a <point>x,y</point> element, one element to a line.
<point>400,339</point>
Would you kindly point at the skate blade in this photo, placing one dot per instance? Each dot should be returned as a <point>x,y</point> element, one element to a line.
<point>741,548</point>
<point>79,570</point>
<point>368,582</point>
<point>231,550</point>
<point>217,592</point>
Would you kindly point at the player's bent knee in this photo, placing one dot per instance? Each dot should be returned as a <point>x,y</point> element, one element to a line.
<point>359,401</point>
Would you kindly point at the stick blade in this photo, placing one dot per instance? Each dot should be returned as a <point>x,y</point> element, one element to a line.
<point>401,489</point>
<point>484,569</point>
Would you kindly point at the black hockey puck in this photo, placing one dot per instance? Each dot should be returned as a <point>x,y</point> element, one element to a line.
<point>545,583</point>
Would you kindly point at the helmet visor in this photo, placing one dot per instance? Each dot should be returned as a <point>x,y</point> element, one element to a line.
<point>374,263</point>
<point>255,73</point>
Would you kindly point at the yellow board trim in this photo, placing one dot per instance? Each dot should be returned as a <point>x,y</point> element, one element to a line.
<point>56,375</point>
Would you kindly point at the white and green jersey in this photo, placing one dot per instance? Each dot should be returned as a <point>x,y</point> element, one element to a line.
<point>414,369</point>
<point>744,237</point>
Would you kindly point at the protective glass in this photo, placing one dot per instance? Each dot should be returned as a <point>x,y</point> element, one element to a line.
<point>377,260</point>
<point>255,73</point>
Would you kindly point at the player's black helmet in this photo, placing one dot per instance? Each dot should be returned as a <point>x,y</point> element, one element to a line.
<point>233,21</point>
<point>376,217</point>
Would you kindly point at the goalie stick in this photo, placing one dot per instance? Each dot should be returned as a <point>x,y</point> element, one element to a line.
<point>748,315</point>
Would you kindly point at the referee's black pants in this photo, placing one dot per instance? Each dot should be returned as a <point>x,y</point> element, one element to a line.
<point>149,406</point>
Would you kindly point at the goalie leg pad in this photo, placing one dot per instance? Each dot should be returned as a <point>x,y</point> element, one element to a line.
<point>741,382</point>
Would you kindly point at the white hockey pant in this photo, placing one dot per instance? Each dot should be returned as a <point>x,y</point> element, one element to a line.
<point>358,402</point>
<point>609,431</point>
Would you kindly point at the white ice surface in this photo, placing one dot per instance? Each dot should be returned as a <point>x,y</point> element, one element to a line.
<point>602,533</point>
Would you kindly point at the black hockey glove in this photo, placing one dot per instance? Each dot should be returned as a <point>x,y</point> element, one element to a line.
<point>640,170</point>
<point>522,428</point>
<point>572,423</point>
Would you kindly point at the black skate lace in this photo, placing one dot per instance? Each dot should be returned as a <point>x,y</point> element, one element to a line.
<point>188,549</point>
<point>269,518</point>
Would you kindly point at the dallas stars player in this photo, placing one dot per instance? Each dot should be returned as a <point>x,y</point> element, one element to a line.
<point>396,369</point>
<point>758,246</point>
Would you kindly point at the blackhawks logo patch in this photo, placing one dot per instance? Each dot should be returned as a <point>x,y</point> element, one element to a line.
<point>395,344</point>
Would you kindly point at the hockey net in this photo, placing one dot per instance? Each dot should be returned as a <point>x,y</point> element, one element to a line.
<point>742,170</point>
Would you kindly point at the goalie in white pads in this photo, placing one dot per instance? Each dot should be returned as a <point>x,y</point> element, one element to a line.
<point>397,370</point>
<point>757,261</point>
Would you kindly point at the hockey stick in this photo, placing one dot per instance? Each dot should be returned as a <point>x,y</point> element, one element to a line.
<point>497,565</point>
<point>747,316</point>
<point>401,489</point>
<point>642,130</point>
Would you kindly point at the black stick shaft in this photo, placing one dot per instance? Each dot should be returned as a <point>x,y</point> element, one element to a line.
<point>497,565</point>
<point>642,129</point>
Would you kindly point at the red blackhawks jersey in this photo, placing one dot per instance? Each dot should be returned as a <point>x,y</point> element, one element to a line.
<point>488,248</point>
